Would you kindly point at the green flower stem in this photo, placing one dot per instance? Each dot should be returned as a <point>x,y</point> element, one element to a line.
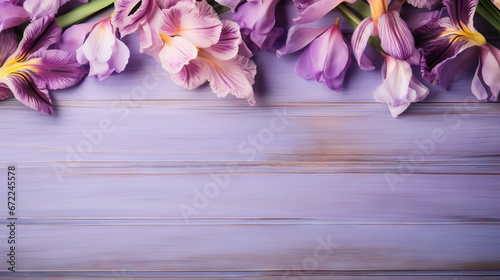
<point>490,13</point>
<point>354,21</point>
<point>361,7</point>
<point>82,12</point>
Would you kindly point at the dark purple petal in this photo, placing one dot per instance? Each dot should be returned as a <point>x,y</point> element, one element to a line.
<point>8,45</point>
<point>5,92</point>
<point>454,68</point>
<point>25,90</point>
<point>57,69</point>
<point>359,40</point>
<point>299,36</point>
<point>416,19</point>
<point>128,23</point>
<point>461,13</point>
<point>436,49</point>
<point>395,36</point>
<point>11,15</point>
<point>39,35</point>
<point>429,4</point>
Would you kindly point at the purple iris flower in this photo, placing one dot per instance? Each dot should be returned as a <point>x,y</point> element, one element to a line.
<point>312,10</point>
<point>449,44</point>
<point>12,14</point>
<point>327,57</point>
<point>28,69</point>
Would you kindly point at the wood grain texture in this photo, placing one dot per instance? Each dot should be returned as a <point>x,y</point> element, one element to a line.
<point>98,203</point>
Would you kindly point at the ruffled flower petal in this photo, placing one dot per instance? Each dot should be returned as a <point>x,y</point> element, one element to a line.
<point>234,76</point>
<point>176,53</point>
<point>395,36</point>
<point>129,14</point>
<point>461,13</point>
<point>227,46</point>
<point>399,88</point>
<point>359,40</point>
<point>312,10</point>
<point>192,75</point>
<point>299,36</point>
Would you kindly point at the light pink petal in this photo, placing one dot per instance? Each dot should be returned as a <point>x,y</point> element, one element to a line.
<point>399,88</point>
<point>192,75</point>
<point>176,53</point>
<point>5,92</point>
<point>42,8</point>
<point>312,10</point>
<point>120,57</point>
<point>8,45</point>
<point>201,26</point>
<point>234,76</point>
<point>25,90</point>
<point>359,40</point>
<point>73,37</point>
<point>227,46</point>
<point>99,44</point>
<point>11,15</point>
<point>299,36</point>
<point>395,36</point>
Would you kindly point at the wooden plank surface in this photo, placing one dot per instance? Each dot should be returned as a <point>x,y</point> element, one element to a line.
<point>136,178</point>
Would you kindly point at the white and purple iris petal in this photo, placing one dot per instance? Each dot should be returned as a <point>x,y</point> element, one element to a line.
<point>399,87</point>
<point>429,4</point>
<point>102,50</point>
<point>486,81</point>
<point>220,65</point>
<point>28,70</point>
<point>257,21</point>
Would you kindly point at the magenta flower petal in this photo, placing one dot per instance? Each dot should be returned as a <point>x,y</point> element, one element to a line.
<point>57,69</point>
<point>486,81</point>
<point>227,46</point>
<point>399,88</point>
<point>5,92</point>
<point>299,36</point>
<point>21,85</point>
<point>11,15</point>
<point>312,10</point>
<point>326,59</point>
<point>395,36</point>
<point>359,40</point>
<point>39,35</point>
<point>74,37</point>
<point>8,45</point>
<point>192,75</point>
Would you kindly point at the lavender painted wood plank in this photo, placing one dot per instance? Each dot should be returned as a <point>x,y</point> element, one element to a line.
<point>112,212</point>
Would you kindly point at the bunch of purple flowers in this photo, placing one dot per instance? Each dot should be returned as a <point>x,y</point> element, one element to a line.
<point>195,46</point>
